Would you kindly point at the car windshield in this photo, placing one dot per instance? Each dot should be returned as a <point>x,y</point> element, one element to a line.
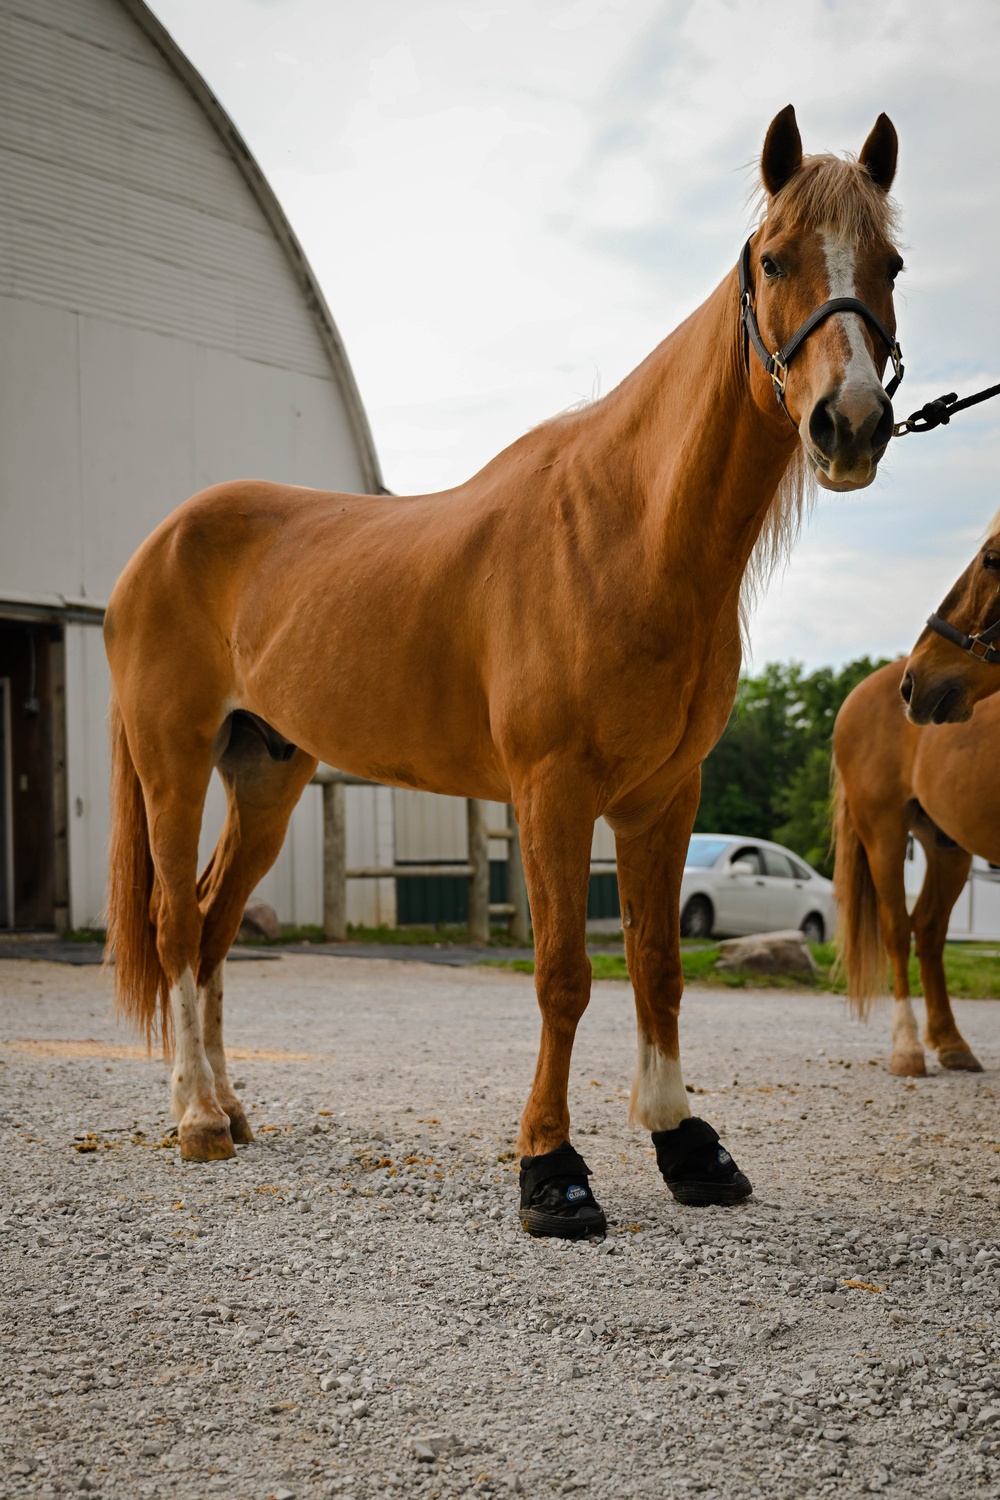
<point>703,852</point>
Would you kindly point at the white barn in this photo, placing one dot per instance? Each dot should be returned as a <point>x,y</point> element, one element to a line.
<point>160,330</point>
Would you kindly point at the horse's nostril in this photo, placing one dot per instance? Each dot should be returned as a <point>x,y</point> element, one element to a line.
<point>823,429</point>
<point>906,687</point>
<point>883,429</point>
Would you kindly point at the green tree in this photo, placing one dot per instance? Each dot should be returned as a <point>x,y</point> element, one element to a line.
<point>768,777</point>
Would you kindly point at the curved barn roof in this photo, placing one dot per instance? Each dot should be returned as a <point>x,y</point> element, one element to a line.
<point>255,180</point>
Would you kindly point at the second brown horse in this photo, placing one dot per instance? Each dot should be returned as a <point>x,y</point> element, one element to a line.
<point>894,778</point>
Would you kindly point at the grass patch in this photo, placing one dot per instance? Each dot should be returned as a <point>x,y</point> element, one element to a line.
<point>972,970</point>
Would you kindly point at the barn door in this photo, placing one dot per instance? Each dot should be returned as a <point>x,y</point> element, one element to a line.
<point>27,818</point>
<point>6,829</point>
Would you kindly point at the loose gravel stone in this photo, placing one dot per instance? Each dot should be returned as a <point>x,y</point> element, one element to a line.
<point>349,1309</point>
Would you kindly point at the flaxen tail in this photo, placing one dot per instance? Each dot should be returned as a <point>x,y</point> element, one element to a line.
<point>861,955</point>
<point>141,992</point>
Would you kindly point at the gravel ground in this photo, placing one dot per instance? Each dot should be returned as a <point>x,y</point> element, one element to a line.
<point>350,1308</point>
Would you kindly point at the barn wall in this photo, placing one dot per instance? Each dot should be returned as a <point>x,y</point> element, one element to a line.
<point>155,338</point>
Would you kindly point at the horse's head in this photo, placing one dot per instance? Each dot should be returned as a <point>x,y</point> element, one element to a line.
<point>955,661</point>
<point>827,234</point>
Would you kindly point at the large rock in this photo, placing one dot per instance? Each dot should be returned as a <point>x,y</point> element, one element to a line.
<point>259,921</point>
<point>767,953</point>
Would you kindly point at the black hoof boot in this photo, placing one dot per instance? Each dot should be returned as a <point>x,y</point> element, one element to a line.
<point>696,1168</point>
<point>555,1196</point>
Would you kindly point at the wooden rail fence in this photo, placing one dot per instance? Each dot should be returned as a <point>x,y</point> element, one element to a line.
<point>476,868</point>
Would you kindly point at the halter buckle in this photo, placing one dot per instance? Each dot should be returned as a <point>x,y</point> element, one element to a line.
<point>779,374</point>
<point>983,655</point>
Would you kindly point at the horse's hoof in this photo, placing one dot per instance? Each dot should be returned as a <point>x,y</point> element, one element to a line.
<point>239,1128</point>
<point>697,1168</point>
<point>908,1065</point>
<point>961,1059</point>
<point>556,1201</point>
<point>207,1143</point>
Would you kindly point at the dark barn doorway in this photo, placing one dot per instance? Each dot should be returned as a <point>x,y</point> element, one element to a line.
<point>30,668</point>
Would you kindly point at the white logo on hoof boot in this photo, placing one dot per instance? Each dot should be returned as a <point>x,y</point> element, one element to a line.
<point>724,1157</point>
<point>574,1194</point>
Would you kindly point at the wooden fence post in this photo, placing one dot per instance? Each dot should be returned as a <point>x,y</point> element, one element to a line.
<point>334,862</point>
<point>479,878</point>
<point>517,891</point>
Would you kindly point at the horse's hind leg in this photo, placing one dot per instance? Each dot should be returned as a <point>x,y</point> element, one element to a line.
<point>884,836</point>
<point>261,793</point>
<point>947,871</point>
<point>210,1001</point>
<point>651,847</point>
<point>175,779</point>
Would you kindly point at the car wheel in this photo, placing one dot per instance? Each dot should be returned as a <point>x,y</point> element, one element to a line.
<point>813,928</point>
<point>697,918</point>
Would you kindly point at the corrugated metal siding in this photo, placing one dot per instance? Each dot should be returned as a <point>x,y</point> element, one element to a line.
<point>154,338</point>
<point>121,200</point>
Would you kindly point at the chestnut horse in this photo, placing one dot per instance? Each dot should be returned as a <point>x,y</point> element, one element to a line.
<point>562,632</point>
<point>940,684</point>
<point>894,778</point>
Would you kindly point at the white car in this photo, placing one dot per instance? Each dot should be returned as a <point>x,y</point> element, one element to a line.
<point>732,886</point>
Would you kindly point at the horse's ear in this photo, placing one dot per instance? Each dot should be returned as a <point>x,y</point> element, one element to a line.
<point>878,154</point>
<point>782,154</point>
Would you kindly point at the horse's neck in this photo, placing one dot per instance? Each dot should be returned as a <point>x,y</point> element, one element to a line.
<point>705,463</point>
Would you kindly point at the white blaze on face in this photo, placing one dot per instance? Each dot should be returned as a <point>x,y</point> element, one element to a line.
<point>840,269</point>
<point>659,1098</point>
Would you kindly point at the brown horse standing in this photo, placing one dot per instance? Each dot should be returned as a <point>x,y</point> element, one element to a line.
<point>894,778</point>
<point>561,632</point>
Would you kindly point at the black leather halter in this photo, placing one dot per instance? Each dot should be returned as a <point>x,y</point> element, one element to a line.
<point>985,639</point>
<point>777,364</point>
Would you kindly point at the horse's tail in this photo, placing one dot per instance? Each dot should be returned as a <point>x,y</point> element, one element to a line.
<point>141,990</point>
<point>860,951</point>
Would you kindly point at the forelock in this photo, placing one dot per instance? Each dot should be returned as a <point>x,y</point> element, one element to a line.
<point>833,192</point>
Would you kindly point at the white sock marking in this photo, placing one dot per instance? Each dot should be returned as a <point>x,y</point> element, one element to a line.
<point>659,1099</point>
<point>905,1032</point>
<point>193,1096</point>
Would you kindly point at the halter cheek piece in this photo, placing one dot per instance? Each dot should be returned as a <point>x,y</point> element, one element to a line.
<point>984,639</point>
<point>777,364</point>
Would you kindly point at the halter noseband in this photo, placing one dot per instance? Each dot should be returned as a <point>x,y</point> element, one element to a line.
<point>968,643</point>
<point>777,364</point>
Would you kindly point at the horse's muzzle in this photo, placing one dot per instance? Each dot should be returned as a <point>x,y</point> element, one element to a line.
<point>940,701</point>
<point>847,436</point>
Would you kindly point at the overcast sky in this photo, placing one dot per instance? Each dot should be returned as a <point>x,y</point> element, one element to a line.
<point>509,204</point>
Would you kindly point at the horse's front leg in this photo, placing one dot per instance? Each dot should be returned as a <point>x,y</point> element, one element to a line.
<point>651,850</point>
<point>557,829</point>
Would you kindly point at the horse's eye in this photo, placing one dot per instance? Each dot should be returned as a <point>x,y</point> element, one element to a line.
<point>769,267</point>
<point>895,266</point>
<point>991,559</point>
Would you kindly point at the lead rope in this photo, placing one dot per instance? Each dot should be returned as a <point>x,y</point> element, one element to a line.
<point>940,412</point>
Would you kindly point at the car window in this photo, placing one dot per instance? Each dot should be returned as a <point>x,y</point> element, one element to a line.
<point>702,852</point>
<point>778,864</point>
<point>801,873</point>
<point>748,855</point>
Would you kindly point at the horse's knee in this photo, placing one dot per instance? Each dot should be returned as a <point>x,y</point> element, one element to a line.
<point>563,979</point>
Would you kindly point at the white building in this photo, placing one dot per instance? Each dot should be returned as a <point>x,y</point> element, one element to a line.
<point>160,330</point>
